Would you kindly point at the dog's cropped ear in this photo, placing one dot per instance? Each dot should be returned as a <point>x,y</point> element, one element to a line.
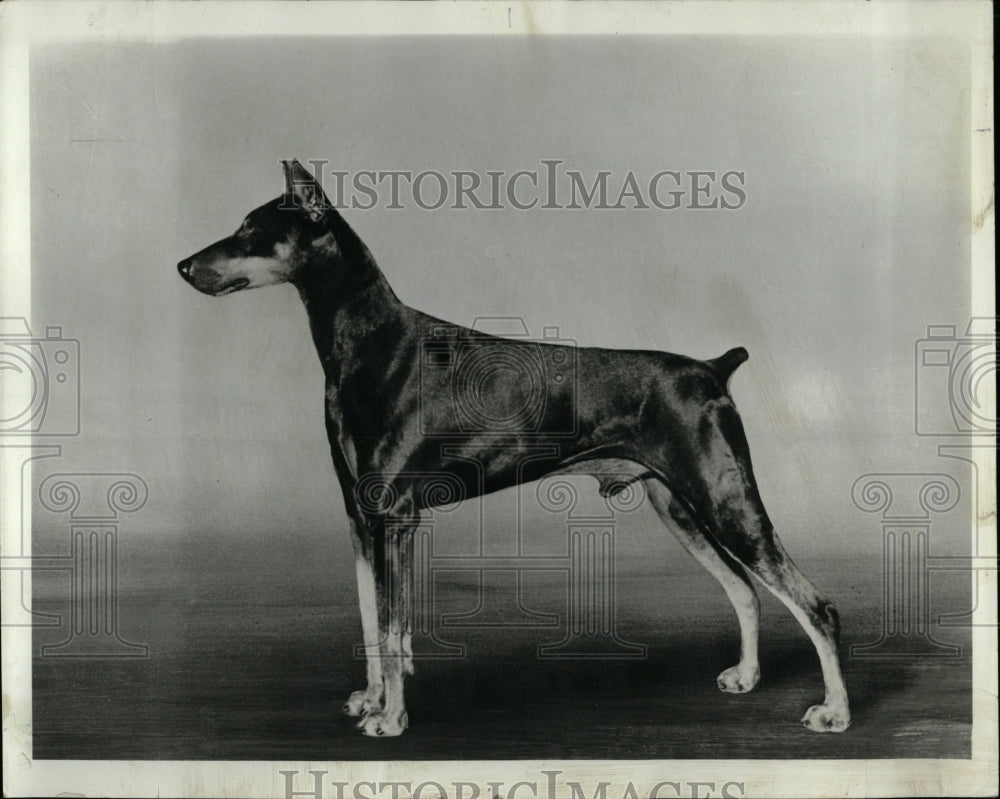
<point>302,190</point>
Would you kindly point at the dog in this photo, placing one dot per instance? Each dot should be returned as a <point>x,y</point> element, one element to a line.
<point>624,416</point>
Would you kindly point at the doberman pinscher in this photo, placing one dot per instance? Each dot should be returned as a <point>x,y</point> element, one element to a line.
<point>395,424</point>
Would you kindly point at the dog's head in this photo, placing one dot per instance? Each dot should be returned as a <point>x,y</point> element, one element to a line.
<point>271,244</point>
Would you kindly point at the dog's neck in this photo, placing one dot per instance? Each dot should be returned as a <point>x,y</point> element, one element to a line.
<point>346,296</point>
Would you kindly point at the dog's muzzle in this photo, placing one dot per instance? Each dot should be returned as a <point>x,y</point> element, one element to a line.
<point>208,281</point>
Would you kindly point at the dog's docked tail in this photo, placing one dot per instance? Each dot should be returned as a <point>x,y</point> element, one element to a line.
<point>725,365</point>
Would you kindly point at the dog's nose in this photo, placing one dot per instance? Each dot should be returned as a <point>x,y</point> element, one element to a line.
<point>185,267</point>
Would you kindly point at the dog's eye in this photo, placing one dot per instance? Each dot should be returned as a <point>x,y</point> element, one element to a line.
<point>247,228</point>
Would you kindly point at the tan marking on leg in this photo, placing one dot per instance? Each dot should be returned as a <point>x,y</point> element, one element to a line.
<point>370,699</point>
<point>392,719</point>
<point>406,580</point>
<point>791,586</point>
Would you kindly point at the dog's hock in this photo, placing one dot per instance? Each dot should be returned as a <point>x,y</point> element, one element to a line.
<point>725,365</point>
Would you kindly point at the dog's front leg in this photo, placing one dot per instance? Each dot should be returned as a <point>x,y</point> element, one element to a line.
<point>370,699</point>
<point>393,586</point>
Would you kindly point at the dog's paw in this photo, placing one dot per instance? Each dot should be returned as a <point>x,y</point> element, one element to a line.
<point>739,679</point>
<point>383,725</point>
<point>361,703</point>
<point>824,718</point>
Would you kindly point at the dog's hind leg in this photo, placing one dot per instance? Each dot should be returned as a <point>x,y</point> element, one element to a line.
<point>717,490</point>
<point>393,586</point>
<point>726,503</point>
<point>745,675</point>
<point>740,525</point>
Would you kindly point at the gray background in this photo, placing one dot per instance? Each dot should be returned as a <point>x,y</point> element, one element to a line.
<point>854,237</point>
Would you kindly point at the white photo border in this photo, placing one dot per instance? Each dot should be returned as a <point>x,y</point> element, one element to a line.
<point>23,24</point>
